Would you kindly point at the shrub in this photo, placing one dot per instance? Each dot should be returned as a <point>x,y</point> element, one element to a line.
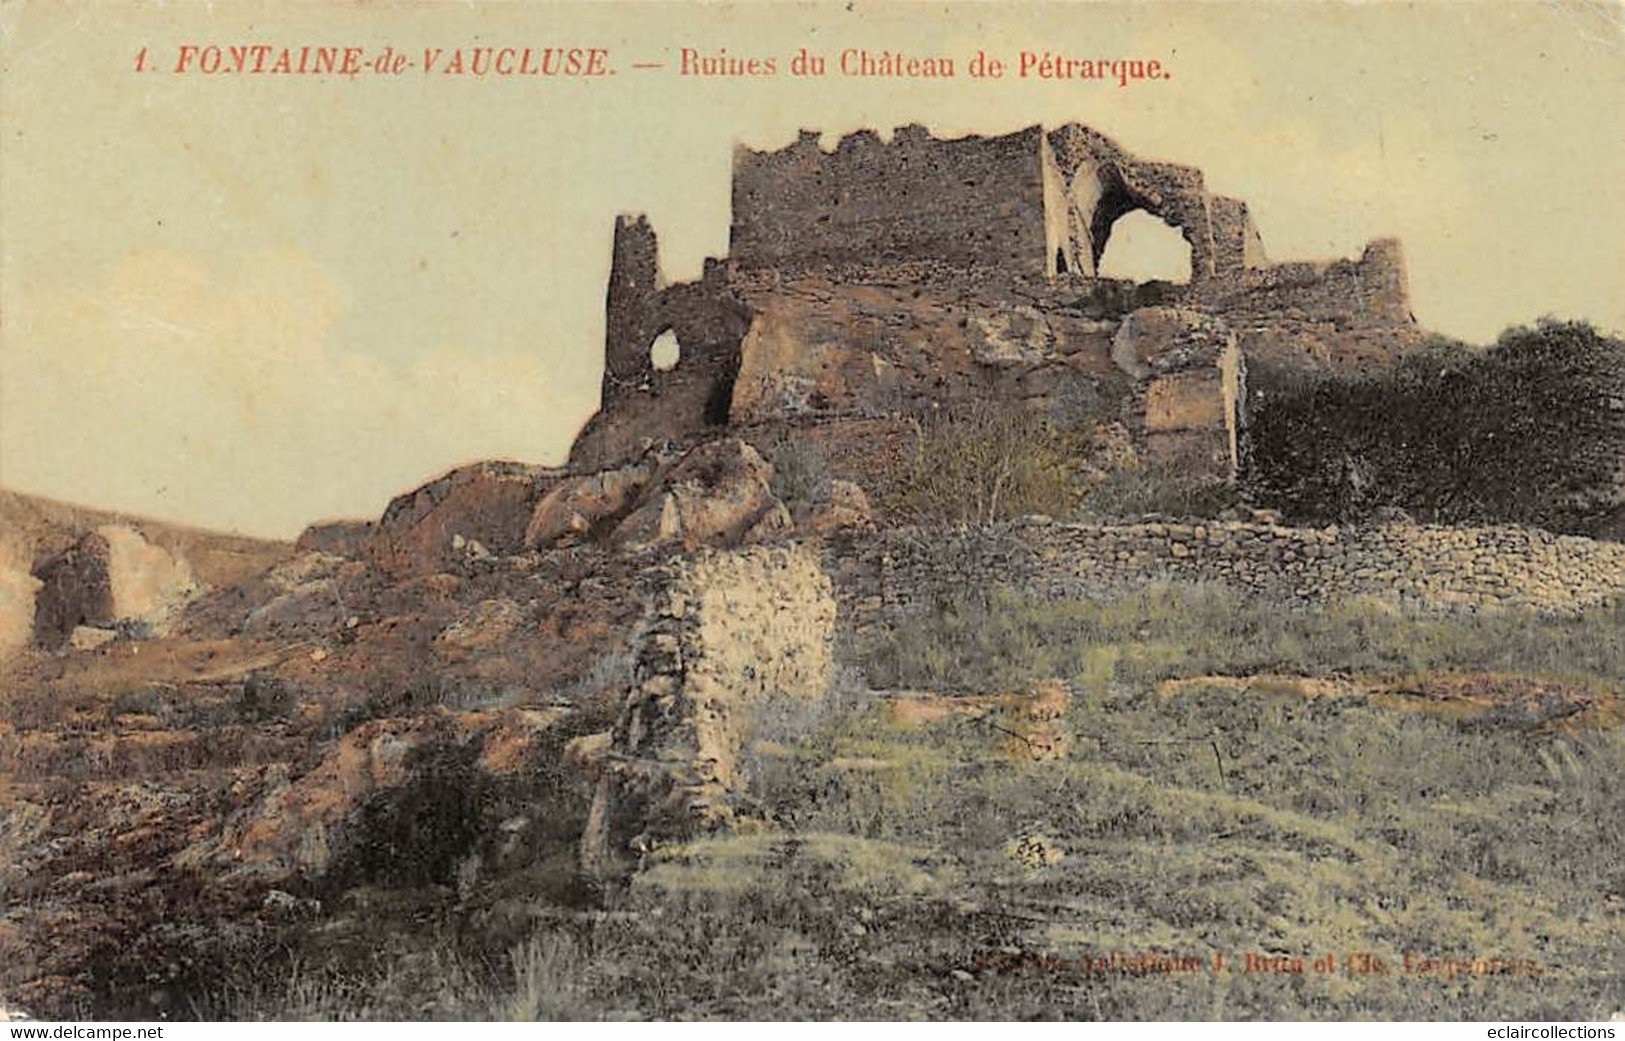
<point>987,462</point>
<point>1528,431</point>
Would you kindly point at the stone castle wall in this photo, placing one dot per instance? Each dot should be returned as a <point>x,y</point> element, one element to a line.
<point>886,576</point>
<point>1007,225</point>
<point>1371,290</point>
<point>638,400</point>
<point>971,202</point>
<point>1345,314</point>
<point>1236,242</point>
<point>1095,182</point>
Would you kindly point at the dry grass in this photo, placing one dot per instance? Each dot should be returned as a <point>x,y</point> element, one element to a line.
<point>907,867</point>
<point>985,463</point>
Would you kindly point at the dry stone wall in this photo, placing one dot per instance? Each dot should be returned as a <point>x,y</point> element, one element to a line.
<point>723,633</point>
<point>886,576</point>
<point>726,634</point>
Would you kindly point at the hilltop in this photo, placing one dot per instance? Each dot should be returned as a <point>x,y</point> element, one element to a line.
<point>925,625</point>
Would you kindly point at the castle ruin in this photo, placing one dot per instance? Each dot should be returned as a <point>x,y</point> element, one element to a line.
<point>881,278</point>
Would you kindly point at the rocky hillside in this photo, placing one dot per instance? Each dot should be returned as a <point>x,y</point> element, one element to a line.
<point>476,757</point>
<point>161,564</point>
<point>35,527</point>
<point>916,633</point>
<point>302,723</point>
<point>1008,707</point>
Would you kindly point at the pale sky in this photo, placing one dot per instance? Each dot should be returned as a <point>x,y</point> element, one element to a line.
<point>249,302</point>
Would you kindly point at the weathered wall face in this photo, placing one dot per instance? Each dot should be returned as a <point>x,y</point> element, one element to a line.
<point>1062,234</point>
<point>972,202</point>
<point>1342,315</point>
<point>889,575</point>
<point>723,633</point>
<point>1372,290</point>
<point>1192,387</point>
<point>1236,242</point>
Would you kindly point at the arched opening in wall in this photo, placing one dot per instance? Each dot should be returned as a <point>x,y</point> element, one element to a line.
<point>1060,261</point>
<point>1142,248</point>
<point>665,352</point>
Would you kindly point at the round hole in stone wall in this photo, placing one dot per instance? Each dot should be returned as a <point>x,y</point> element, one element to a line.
<point>665,352</point>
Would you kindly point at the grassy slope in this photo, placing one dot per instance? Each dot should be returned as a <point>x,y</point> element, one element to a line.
<point>922,871</point>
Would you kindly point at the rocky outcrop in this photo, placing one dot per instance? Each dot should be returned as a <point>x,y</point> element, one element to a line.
<point>112,578</point>
<point>817,351</point>
<point>591,504</point>
<point>835,505</point>
<point>812,354</point>
<point>303,597</point>
<point>158,797</point>
<point>723,634</point>
<point>17,591</point>
<point>313,607</point>
<point>717,495</point>
<point>345,538</point>
<point>487,625</point>
<point>486,504</point>
<point>1156,340</point>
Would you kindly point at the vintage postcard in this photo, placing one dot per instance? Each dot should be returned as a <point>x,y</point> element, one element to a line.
<point>866,510</point>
